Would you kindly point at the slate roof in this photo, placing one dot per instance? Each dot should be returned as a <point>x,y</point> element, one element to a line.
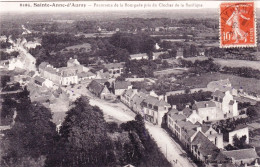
<point>85,74</point>
<point>122,84</point>
<point>129,92</point>
<point>137,99</point>
<point>156,102</point>
<point>157,54</point>
<point>177,117</point>
<point>205,128</point>
<point>172,112</point>
<point>43,65</point>
<point>187,111</point>
<point>204,104</point>
<point>241,154</point>
<point>39,79</point>
<point>240,126</point>
<point>96,87</point>
<point>205,146</point>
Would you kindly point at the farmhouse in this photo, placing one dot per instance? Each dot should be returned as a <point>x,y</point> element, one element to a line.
<point>154,109</point>
<point>64,75</point>
<point>139,56</point>
<point>115,69</point>
<point>98,89</point>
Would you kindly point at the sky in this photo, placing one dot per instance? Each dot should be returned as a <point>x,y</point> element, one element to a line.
<point>81,6</point>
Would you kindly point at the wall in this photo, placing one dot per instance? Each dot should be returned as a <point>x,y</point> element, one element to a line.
<point>239,133</point>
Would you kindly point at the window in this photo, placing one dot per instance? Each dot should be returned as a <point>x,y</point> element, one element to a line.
<point>156,108</point>
<point>210,132</point>
<point>207,118</point>
<point>150,106</point>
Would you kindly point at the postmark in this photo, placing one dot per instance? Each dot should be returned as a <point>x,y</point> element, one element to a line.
<point>237,24</point>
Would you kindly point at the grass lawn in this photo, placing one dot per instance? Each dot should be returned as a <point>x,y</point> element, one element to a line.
<point>230,62</point>
<point>248,84</point>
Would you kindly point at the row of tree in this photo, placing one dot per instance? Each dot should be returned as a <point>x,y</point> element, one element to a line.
<point>181,100</point>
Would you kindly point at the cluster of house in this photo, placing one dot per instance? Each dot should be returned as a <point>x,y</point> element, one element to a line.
<point>151,106</point>
<point>205,143</point>
<point>24,60</point>
<point>72,74</point>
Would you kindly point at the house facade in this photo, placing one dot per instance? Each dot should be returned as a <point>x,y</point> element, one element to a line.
<point>139,56</point>
<point>65,75</point>
<point>119,87</point>
<point>154,109</point>
<point>115,69</point>
<point>239,131</point>
<point>99,89</point>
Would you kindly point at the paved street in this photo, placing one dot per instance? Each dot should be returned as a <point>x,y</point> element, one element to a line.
<point>120,112</point>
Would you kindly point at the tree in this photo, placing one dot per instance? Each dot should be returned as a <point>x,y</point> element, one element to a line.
<point>165,64</point>
<point>83,138</point>
<point>251,112</point>
<point>240,143</point>
<point>32,136</point>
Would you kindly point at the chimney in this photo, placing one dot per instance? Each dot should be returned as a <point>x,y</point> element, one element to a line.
<point>206,104</point>
<point>174,106</point>
<point>161,97</point>
<point>219,131</point>
<point>198,129</point>
<point>187,106</point>
<point>166,99</point>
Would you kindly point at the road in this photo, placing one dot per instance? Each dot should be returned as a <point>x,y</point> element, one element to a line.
<point>118,111</point>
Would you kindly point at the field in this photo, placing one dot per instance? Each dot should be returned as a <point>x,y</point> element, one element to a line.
<point>230,62</point>
<point>248,84</point>
<point>170,71</point>
<point>87,46</point>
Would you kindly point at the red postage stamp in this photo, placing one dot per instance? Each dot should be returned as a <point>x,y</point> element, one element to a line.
<point>237,24</point>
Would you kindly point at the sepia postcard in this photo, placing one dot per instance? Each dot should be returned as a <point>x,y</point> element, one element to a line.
<point>129,84</point>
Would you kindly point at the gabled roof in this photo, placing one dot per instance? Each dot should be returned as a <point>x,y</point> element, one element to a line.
<point>205,146</point>
<point>240,126</point>
<point>156,102</point>
<point>137,99</point>
<point>187,111</point>
<point>85,74</point>
<point>241,154</point>
<point>122,84</point>
<point>39,79</point>
<point>157,54</point>
<point>96,87</point>
<point>177,117</point>
<point>129,92</point>
<point>172,112</point>
<point>205,128</point>
<point>43,65</point>
<point>203,104</point>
